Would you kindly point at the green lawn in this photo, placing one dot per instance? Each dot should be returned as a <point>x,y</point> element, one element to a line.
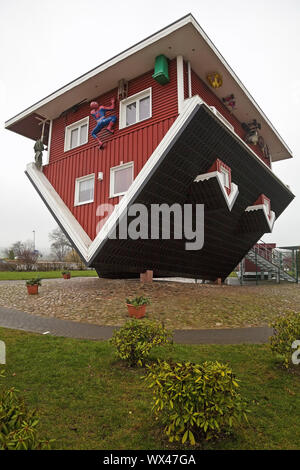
<point>20,275</point>
<point>88,400</point>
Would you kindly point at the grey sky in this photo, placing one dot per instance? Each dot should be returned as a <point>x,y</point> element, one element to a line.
<point>45,45</point>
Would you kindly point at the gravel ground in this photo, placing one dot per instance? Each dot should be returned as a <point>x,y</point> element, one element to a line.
<point>178,305</point>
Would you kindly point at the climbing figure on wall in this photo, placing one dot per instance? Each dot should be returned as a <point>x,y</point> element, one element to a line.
<point>39,147</point>
<point>38,153</point>
<point>98,112</point>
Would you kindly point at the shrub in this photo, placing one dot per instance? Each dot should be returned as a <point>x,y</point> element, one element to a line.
<point>136,338</point>
<point>138,301</point>
<point>18,424</point>
<point>195,401</point>
<point>286,331</point>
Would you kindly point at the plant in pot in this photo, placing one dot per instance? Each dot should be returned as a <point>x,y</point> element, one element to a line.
<point>33,285</point>
<point>137,306</point>
<point>66,274</point>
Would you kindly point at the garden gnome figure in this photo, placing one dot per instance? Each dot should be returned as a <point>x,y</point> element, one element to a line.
<point>38,149</point>
<point>98,112</point>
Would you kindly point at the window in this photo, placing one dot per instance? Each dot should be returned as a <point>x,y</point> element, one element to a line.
<point>225,174</point>
<point>76,134</point>
<point>84,190</point>
<point>121,178</point>
<point>136,108</point>
<point>267,204</point>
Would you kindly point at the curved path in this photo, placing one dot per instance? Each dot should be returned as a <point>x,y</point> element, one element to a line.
<point>15,319</point>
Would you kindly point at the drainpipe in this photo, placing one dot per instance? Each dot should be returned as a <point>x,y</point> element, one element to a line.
<point>49,142</point>
<point>189,79</point>
<point>180,83</point>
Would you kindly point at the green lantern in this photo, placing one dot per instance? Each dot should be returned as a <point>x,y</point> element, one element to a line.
<point>161,70</point>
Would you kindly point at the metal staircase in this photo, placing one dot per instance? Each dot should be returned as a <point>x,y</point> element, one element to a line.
<point>273,261</point>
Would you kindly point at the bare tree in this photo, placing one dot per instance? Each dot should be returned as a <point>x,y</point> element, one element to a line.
<point>28,256</point>
<point>25,253</point>
<point>60,245</point>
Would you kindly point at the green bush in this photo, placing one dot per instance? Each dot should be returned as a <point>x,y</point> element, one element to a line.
<point>286,331</point>
<point>195,401</point>
<point>136,338</point>
<point>18,424</point>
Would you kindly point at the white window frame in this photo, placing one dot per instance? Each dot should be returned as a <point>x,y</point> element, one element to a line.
<point>70,128</point>
<point>226,177</point>
<point>131,99</point>
<point>267,205</point>
<point>112,181</point>
<point>77,184</point>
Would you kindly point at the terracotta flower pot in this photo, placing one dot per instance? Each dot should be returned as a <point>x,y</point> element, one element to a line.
<point>67,276</point>
<point>136,312</point>
<point>33,290</point>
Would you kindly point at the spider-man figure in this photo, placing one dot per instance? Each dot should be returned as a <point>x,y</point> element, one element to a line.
<point>99,114</point>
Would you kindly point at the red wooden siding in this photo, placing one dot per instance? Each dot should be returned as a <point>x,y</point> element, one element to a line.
<point>135,143</point>
<point>200,88</point>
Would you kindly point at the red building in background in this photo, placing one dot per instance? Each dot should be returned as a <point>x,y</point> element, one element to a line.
<point>187,132</point>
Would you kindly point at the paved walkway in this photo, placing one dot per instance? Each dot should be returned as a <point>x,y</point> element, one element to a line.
<point>15,319</point>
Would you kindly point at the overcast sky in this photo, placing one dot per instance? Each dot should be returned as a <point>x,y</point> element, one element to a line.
<point>46,44</point>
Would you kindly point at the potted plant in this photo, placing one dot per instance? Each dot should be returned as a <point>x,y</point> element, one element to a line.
<point>33,285</point>
<point>137,306</point>
<point>66,274</point>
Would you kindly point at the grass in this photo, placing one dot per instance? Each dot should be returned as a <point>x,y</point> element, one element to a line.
<point>24,275</point>
<point>88,400</point>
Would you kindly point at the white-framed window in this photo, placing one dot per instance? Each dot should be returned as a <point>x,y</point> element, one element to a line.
<point>77,134</point>
<point>121,178</point>
<point>267,205</point>
<point>136,108</point>
<point>84,189</point>
<point>225,173</point>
